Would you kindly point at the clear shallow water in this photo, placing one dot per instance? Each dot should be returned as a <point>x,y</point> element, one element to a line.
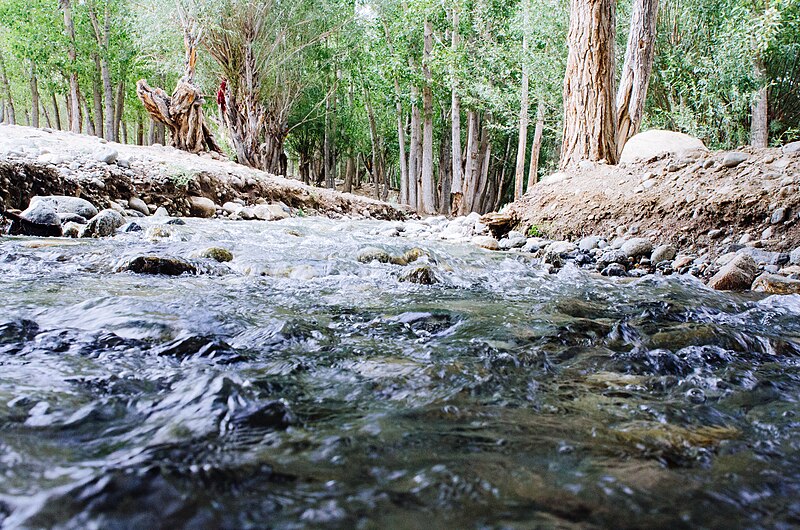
<point>296,387</point>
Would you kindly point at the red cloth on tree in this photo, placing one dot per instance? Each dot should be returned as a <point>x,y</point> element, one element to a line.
<point>221,95</point>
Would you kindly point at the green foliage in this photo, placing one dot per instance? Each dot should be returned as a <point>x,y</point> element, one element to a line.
<point>535,231</point>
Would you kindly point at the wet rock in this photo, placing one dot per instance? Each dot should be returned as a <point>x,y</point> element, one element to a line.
<point>423,275</point>
<point>609,257</point>
<point>663,253</point>
<point>131,227</point>
<point>202,207</point>
<point>507,243</point>
<point>370,254</point>
<point>176,222</point>
<point>637,247</point>
<point>67,205</point>
<point>734,158</point>
<point>487,242</point>
<point>775,284</point>
<point>72,218</point>
<point>106,155</point>
<point>160,265</point>
<point>41,213</point>
<point>737,275</point>
<point>72,229</point>
<point>615,269</point>
<point>103,224</point>
<point>161,212</point>
<point>137,204</point>
<point>217,254</point>
<point>779,215</point>
<point>270,415</point>
<point>158,232</point>
<point>269,212</point>
<point>409,256</point>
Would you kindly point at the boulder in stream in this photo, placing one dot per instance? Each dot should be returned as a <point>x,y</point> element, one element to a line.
<point>103,224</point>
<point>738,275</point>
<point>160,265</point>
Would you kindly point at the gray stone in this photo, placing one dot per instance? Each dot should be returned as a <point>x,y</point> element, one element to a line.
<point>588,243</point>
<point>716,233</point>
<point>232,207</point>
<point>131,227</point>
<point>779,215</point>
<point>734,158</point>
<point>202,207</point>
<point>663,253</point>
<point>615,269</point>
<point>106,155</point>
<point>611,256</point>
<point>71,218</point>
<point>560,247</point>
<point>735,276</point>
<point>161,212</point>
<point>637,247</point>
<point>370,254</point>
<point>135,203</point>
<point>103,224</point>
<point>794,256</point>
<point>66,204</point>
<point>71,229</point>
<point>762,256</point>
<point>269,212</point>
<point>41,214</point>
<point>793,147</point>
<point>648,144</point>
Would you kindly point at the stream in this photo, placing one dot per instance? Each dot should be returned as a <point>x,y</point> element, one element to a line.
<point>296,387</point>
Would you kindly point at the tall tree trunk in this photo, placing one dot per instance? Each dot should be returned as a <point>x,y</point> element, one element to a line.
<point>519,174</point>
<point>350,169</point>
<point>589,111</point>
<point>636,70</point>
<point>72,55</point>
<point>97,97</point>
<point>484,158</point>
<point>120,109</point>
<point>47,119</point>
<point>377,169</point>
<point>2,111</point>
<point>759,127</point>
<point>471,167</point>
<point>139,129</point>
<point>12,117</point>
<point>457,185</point>
<point>151,132</point>
<point>89,124</point>
<point>498,199</point>
<point>326,144</point>
<point>445,171</point>
<point>428,202</point>
<point>536,147</point>
<point>34,96</point>
<point>414,161</point>
<point>401,132</point>
<point>56,112</point>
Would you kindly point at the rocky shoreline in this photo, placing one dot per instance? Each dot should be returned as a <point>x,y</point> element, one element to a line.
<point>137,180</point>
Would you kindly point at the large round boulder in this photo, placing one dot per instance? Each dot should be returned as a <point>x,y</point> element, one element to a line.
<point>64,204</point>
<point>648,144</point>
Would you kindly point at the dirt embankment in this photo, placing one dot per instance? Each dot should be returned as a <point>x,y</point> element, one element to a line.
<point>695,200</point>
<point>46,162</point>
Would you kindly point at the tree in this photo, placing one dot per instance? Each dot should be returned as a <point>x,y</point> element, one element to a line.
<point>589,112</point>
<point>635,79</point>
<point>519,174</point>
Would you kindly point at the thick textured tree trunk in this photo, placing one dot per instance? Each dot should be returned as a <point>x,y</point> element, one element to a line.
<point>97,97</point>
<point>34,96</point>
<point>182,113</point>
<point>2,111</point>
<point>519,173</point>
<point>326,145</point>
<point>589,111</point>
<point>484,158</point>
<point>636,71</point>
<point>11,113</point>
<point>139,129</point>
<point>427,203</point>
<point>72,55</point>
<point>536,147</point>
<point>414,161</point>
<point>457,185</point>
<point>350,169</point>
<point>56,112</point>
<point>471,166</point>
<point>445,170</point>
<point>759,127</point>
<point>401,140</point>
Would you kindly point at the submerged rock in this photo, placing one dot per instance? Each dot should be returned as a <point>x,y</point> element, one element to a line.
<point>217,254</point>
<point>423,275</point>
<point>370,254</point>
<point>160,265</point>
<point>737,275</point>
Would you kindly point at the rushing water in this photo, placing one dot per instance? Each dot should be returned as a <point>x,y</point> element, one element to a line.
<point>297,387</point>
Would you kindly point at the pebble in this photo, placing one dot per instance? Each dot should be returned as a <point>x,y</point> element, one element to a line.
<point>734,158</point>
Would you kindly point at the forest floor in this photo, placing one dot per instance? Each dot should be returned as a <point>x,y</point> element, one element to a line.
<point>47,162</point>
<point>699,201</point>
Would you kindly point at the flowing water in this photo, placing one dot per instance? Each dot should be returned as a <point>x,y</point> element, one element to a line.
<point>296,387</point>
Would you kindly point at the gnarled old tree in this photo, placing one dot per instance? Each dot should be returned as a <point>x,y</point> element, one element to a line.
<point>589,111</point>
<point>256,45</point>
<point>182,112</point>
